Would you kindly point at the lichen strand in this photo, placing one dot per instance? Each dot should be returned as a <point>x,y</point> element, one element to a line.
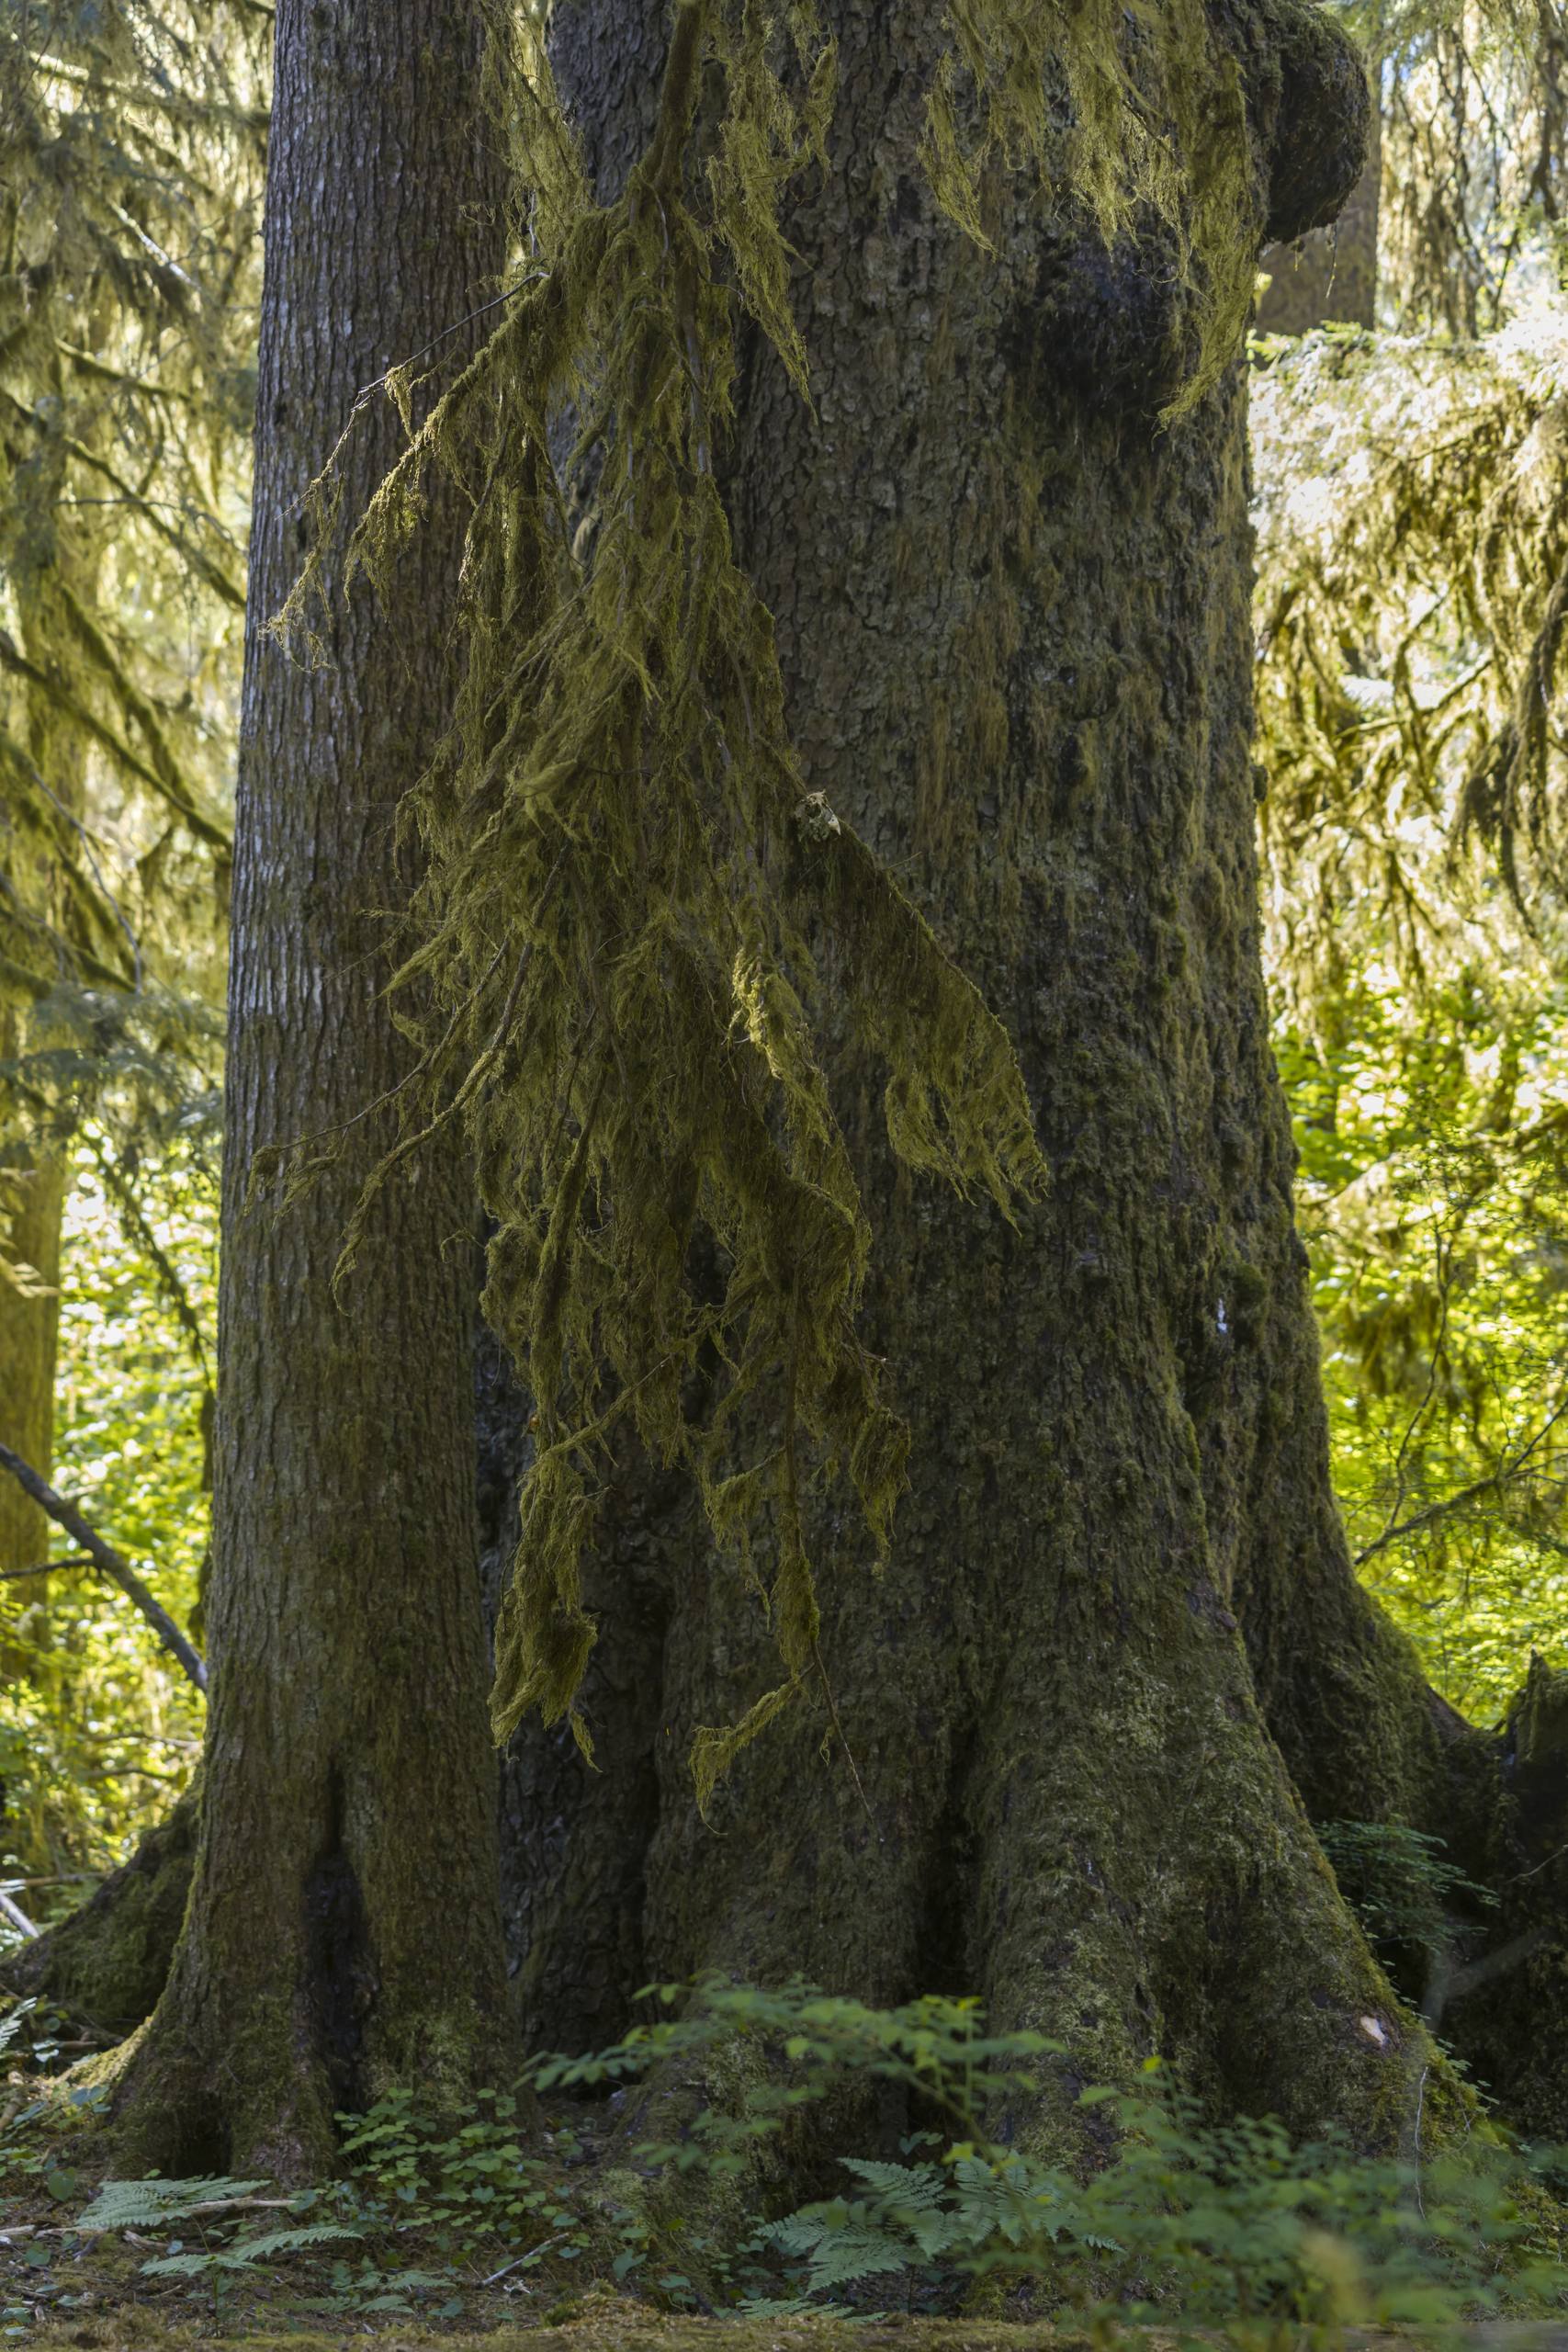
<point>1012,624</point>
<point>623,859</point>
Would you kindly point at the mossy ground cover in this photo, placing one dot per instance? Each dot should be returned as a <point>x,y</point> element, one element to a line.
<point>94,2294</point>
<point>604,2324</point>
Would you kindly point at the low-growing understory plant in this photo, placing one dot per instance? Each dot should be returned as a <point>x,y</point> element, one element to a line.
<point>1402,1885</point>
<point>156,2205</point>
<point>1234,2228</point>
<point>1230,2227</point>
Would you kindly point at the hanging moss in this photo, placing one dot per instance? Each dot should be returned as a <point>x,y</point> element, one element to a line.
<point>635,913</point>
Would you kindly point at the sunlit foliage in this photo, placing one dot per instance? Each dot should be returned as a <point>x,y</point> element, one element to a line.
<point>98,1728</point>
<point>1413,536</point>
<point>131,145</point>
<point>1435,1200</point>
<point>130,151</point>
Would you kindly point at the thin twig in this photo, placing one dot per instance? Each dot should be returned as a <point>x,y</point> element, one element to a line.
<point>1445,1277</point>
<point>105,1556</point>
<point>1489,1484</point>
<point>844,1737</point>
<point>121,1192</point>
<point>368,392</point>
<point>531,277</point>
<point>1556,1855</point>
<point>516,2264</point>
<point>55,1878</point>
<point>14,751</point>
<point>47,1567</point>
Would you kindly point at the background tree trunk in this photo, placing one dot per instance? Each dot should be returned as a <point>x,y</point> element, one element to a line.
<point>30,1332</point>
<point>1330,273</point>
<point>30,1316</point>
<point>1013,617</point>
<point>344,1926</point>
<point>105,1965</point>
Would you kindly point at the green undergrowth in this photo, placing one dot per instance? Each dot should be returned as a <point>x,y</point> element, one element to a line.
<point>592,2186</point>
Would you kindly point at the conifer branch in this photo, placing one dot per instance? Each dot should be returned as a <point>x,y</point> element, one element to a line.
<point>204,827</point>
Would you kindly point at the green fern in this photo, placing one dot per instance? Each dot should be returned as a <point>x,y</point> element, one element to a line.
<point>13,2022</point>
<point>957,2213</point>
<point>149,2204</point>
<point>247,2254</point>
<point>838,2248</point>
<point>1400,1881</point>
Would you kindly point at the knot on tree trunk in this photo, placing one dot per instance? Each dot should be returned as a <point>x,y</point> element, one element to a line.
<point>1318,126</point>
<point>1106,321</point>
<point>1269,130</point>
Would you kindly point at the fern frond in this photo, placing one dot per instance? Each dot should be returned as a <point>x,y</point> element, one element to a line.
<point>148,2204</point>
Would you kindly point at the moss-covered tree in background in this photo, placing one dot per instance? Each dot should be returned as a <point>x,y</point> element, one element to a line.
<point>130,142</point>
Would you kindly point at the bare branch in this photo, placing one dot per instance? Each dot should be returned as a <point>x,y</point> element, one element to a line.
<point>16,1916</point>
<point>105,1556</point>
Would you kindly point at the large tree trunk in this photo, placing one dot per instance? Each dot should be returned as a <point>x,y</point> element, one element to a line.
<point>1013,618</point>
<point>344,1927</point>
<point>1120,1640</point>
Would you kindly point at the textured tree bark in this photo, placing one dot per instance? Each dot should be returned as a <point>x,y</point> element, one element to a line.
<point>1119,1641</point>
<point>573,1845</point>
<point>344,1926</point>
<point>1013,618</point>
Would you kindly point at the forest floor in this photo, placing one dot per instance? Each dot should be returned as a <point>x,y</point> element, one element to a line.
<point>94,2297</point>
<point>111,2307</point>
<point>634,2328</point>
<point>631,2330</point>
<point>451,2282</point>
